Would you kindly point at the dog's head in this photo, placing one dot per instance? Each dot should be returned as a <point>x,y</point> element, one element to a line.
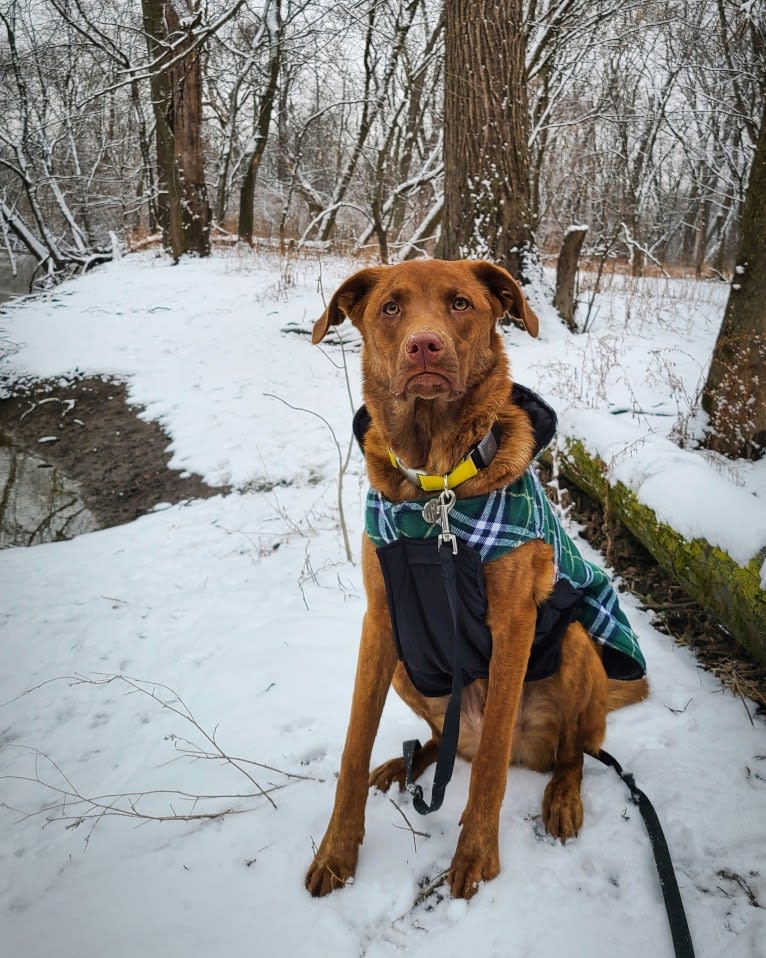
<point>429,326</point>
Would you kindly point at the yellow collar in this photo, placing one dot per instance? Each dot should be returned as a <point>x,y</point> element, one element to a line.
<point>478,458</point>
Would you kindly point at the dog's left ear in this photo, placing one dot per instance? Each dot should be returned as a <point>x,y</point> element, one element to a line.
<point>505,288</point>
<point>346,300</point>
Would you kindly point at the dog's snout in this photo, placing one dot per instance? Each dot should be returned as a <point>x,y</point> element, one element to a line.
<point>424,345</point>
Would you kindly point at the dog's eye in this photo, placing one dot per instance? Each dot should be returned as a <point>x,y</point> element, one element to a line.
<point>391,309</point>
<point>460,303</point>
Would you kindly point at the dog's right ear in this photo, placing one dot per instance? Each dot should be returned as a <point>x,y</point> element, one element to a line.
<point>347,300</point>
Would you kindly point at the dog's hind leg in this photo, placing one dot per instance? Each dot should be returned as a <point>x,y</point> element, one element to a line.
<point>562,804</point>
<point>394,770</point>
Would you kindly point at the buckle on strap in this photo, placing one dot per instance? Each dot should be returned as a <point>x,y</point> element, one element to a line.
<point>479,457</point>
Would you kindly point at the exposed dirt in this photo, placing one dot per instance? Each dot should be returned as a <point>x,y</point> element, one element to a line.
<point>119,460</point>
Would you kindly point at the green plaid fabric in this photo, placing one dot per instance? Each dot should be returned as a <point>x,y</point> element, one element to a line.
<point>502,521</point>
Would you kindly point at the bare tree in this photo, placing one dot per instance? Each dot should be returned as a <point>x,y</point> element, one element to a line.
<point>256,147</point>
<point>487,198</point>
<point>75,156</point>
<point>647,133</point>
<point>53,164</point>
<point>735,391</point>
<point>355,108</point>
<point>324,122</point>
<point>405,160</point>
<point>176,85</point>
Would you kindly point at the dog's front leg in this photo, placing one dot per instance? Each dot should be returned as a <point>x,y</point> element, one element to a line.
<point>335,859</point>
<point>515,585</point>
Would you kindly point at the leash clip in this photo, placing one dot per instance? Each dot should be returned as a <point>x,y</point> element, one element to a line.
<point>436,512</point>
<point>446,502</point>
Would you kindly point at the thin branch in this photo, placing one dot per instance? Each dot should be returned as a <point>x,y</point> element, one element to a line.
<point>415,834</point>
<point>70,804</point>
<point>342,466</point>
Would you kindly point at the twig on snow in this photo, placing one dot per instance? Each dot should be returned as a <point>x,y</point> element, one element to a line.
<point>72,805</point>
<point>415,834</point>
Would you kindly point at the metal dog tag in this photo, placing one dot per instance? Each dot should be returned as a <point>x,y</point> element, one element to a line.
<point>437,509</point>
<point>432,511</point>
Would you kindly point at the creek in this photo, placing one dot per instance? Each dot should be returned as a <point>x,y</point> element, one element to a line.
<point>15,283</point>
<point>38,503</point>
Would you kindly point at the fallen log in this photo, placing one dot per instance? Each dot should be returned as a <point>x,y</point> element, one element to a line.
<point>731,593</point>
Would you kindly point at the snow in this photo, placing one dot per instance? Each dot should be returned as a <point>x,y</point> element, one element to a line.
<point>245,606</point>
<point>667,479</point>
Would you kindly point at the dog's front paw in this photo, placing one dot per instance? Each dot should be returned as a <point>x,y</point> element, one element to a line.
<point>384,776</point>
<point>562,810</point>
<point>475,860</point>
<point>333,867</point>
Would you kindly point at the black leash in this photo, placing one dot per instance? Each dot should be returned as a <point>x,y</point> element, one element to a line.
<point>679,928</point>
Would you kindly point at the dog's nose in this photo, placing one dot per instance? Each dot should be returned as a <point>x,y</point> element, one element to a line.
<point>424,345</point>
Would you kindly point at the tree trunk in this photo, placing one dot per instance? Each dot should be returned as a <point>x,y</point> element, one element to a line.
<point>637,255</point>
<point>176,87</point>
<point>566,274</point>
<point>701,237</point>
<point>283,135</point>
<point>735,392</point>
<point>265,110</point>
<point>486,136</point>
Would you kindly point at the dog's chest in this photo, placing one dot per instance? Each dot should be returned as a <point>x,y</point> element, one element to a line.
<point>487,528</point>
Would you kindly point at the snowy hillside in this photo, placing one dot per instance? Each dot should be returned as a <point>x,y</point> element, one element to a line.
<point>138,659</point>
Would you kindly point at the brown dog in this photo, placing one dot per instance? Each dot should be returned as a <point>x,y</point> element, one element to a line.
<point>436,380</point>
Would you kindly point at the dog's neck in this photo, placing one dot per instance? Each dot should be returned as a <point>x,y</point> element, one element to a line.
<point>435,435</point>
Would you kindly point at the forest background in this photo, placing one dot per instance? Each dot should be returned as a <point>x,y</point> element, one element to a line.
<point>321,121</point>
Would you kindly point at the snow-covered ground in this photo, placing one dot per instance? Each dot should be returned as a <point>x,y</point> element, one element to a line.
<point>243,611</point>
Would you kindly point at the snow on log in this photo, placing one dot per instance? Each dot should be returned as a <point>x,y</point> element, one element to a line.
<point>730,592</point>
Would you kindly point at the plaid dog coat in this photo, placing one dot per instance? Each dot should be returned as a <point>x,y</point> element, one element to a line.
<point>503,520</point>
<point>488,527</point>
